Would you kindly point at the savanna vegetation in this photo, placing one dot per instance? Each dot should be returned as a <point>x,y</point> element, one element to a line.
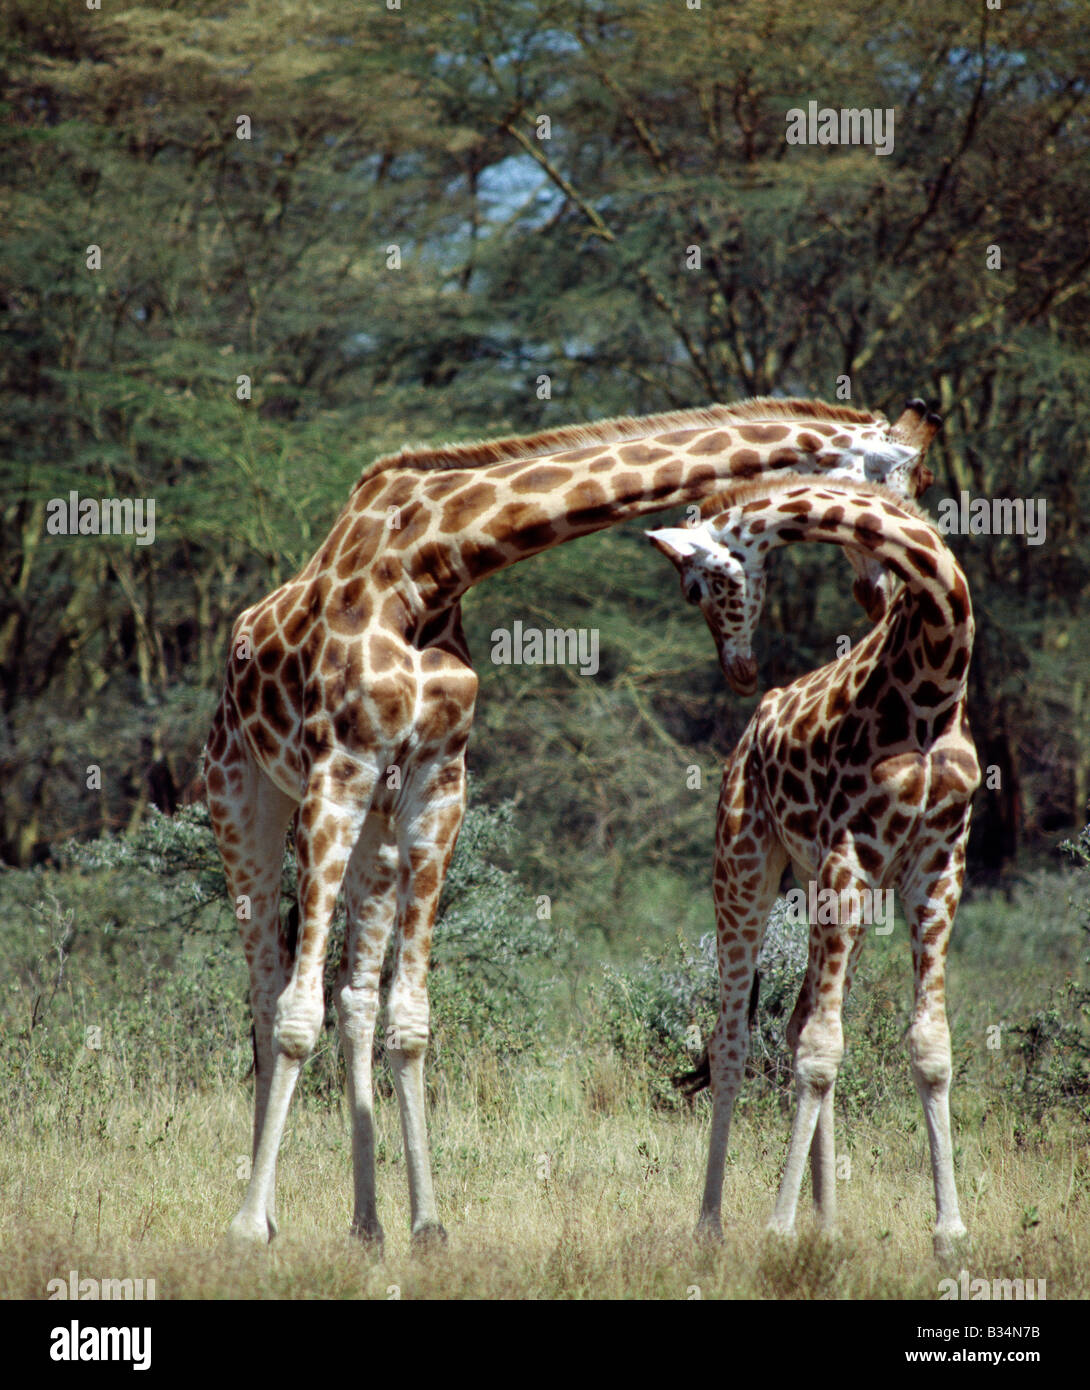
<point>566,1163</point>
<point>324,231</point>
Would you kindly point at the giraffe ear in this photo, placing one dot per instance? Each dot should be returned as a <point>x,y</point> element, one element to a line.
<point>674,541</point>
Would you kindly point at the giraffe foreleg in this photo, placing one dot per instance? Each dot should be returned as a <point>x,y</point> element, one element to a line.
<point>427,833</point>
<point>371,895</point>
<point>749,861</point>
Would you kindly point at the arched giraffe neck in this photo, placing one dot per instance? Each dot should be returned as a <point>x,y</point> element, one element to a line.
<point>453,526</point>
<point>930,625</point>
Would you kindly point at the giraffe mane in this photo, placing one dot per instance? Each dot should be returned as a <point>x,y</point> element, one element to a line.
<point>616,430</point>
<point>800,408</point>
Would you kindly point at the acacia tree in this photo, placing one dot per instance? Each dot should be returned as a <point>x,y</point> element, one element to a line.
<point>459,220</point>
<point>676,243</point>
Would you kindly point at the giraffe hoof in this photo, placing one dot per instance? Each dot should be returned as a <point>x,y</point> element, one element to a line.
<point>950,1243</point>
<point>429,1238</point>
<point>244,1233</point>
<point>781,1230</point>
<point>372,1238</point>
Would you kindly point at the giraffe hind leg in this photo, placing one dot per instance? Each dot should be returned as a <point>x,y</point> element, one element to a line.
<point>250,816</point>
<point>815,1034</point>
<point>823,1149</point>
<point>327,827</point>
<point>823,1146</point>
<point>929,906</point>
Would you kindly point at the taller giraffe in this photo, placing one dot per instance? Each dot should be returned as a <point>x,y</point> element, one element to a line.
<point>861,775</point>
<point>359,665</point>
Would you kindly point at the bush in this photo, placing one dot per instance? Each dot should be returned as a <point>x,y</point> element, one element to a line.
<point>494,960</point>
<point>1055,1040</point>
<point>659,1015</point>
<point>132,945</point>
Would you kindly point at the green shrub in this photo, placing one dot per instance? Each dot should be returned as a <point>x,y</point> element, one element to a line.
<point>1055,1041</point>
<point>128,959</point>
<point>494,958</point>
<point>659,1014</point>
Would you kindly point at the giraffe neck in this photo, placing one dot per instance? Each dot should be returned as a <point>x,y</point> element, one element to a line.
<point>930,624</point>
<point>457,525</point>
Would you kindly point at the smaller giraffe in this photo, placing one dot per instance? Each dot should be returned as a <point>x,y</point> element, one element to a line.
<point>861,775</point>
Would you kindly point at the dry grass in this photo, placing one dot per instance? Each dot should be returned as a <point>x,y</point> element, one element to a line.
<point>555,1184</point>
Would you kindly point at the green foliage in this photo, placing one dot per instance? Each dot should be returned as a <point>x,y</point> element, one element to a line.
<point>495,954</point>
<point>94,1017</point>
<point>658,1013</point>
<point>128,970</point>
<point>1079,849</point>
<point>654,1013</point>
<point>520,258</point>
<point>173,858</point>
<point>1055,1041</point>
<point>1055,1049</point>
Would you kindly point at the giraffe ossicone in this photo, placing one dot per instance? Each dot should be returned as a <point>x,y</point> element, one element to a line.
<point>358,664</point>
<point>860,775</point>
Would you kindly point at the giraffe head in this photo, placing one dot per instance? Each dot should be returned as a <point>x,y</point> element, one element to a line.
<point>881,453</point>
<point>727,582</point>
<point>721,560</point>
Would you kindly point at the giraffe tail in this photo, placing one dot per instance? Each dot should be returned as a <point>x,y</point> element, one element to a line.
<point>289,938</point>
<point>754,995</point>
<point>290,930</point>
<point>691,1083</point>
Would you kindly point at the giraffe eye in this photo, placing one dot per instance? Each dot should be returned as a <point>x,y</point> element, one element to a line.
<point>692,592</point>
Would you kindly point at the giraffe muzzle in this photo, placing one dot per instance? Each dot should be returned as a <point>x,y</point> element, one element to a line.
<point>740,671</point>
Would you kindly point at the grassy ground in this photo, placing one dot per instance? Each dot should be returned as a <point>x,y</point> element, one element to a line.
<point>552,1184</point>
<point>567,1171</point>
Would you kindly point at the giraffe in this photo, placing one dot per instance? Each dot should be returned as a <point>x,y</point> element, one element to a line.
<point>861,775</point>
<point>348,701</point>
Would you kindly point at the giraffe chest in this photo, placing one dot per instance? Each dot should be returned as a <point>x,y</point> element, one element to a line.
<point>389,698</point>
<point>307,698</point>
